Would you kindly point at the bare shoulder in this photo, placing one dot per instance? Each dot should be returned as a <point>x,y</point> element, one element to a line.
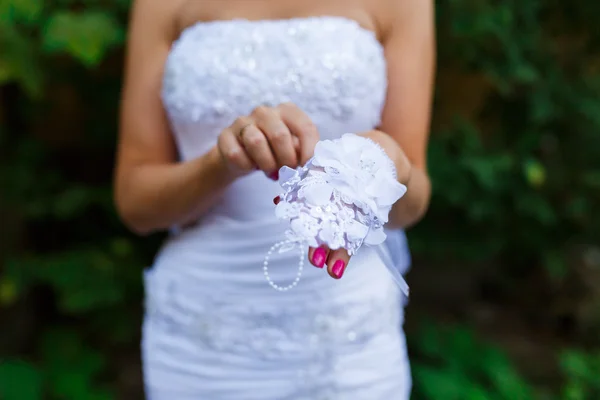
<point>392,15</point>
<point>156,19</point>
<point>190,12</point>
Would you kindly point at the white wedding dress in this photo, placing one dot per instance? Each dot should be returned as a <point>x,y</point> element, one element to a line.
<point>214,329</point>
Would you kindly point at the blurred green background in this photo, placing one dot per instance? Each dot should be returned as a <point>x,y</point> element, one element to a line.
<point>506,283</point>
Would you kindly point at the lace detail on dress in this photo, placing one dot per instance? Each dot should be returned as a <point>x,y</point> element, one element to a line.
<point>274,333</point>
<point>309,337</point>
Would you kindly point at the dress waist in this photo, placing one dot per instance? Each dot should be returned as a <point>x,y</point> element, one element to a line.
<point>230,253</point>
<point>228,245</point>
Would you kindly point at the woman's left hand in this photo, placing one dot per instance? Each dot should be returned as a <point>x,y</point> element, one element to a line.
<point>337,260</point>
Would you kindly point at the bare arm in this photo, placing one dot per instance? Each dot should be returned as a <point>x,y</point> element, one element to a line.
<point>410,53</point>
<point>152,190</point>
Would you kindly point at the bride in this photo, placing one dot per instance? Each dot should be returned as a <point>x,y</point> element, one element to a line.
<point>217,97</point>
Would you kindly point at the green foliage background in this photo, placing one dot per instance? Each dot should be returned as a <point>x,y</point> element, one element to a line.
<point>506,281</point>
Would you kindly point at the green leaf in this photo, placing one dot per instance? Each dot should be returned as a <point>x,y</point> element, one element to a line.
<point>121,247</point>
<point>476,393</point>
<point>19,61</point>
<point>536,206</point>
<point>6,73</point>
<point>70,202</point>
<point>82,279</point>
<point>19,381</point>
<point>510,385</point>
<point>430,343</point>
<point>21,11</point>
<point>574,364</point>
<point>574,391</point>
<point>439,384</point>
<point>488,171</point>
<point>71,366</point>
<point>86,36</point>
<point>8,291</point>
<point>463,367</point>
<point>535,173</point>
<point>555,264</point>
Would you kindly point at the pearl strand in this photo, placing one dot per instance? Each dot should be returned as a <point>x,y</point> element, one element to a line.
<point>300,266</point>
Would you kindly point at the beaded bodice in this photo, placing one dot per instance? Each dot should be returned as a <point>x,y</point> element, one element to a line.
<point>330,67</point>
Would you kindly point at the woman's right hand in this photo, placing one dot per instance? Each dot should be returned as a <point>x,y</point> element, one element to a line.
<point>267,139</point>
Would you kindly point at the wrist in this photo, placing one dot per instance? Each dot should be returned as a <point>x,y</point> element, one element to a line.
<point>412,207</point>
<point>218,167</point>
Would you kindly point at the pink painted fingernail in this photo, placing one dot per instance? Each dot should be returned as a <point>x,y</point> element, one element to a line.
<point>338,269</point>
<point>318,258</point>
<point>274,176</point>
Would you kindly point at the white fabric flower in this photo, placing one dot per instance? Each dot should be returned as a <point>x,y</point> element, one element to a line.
<point>287,210</point>
<point>288,177</point>
<point>325,213</point>
<point>307,228</point>
<point>332,234</point>
<point>342,197</point>
<point>358,168</point>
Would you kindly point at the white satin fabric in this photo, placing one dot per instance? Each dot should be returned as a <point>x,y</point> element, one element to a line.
<point>214,329</point>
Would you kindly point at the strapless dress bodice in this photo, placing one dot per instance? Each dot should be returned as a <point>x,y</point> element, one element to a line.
<point>330,67</point>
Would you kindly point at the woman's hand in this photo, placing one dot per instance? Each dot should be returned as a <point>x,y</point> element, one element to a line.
<point>267,139</point>
<point>337,260</point>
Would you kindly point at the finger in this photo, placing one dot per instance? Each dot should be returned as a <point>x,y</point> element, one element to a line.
<point>318,256</point>
<point>278,135</point>
<point>301,126</point>
<point>296,144</point>
<point>240,123</point>
<point>337,263</point>
<point>257,147</point>
<point>232,151</point>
